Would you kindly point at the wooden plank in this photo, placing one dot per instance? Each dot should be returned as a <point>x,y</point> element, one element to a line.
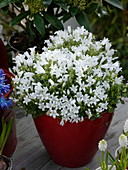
<point>51,166</point>
<point>30,152</point>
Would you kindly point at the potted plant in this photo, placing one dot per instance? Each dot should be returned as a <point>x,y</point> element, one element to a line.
<point>5,163</point>
<point>71,89</point>
<point>5,128</point>
<point>6,110</point>
<point>120,162</point>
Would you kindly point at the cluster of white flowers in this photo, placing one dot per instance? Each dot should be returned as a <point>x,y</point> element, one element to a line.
<point>72,78</point>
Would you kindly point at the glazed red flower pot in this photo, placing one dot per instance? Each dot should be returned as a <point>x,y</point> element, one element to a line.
<point>74,144</point>
<point>3,56</point>
<point>11,143</point>
<point>7,114</point>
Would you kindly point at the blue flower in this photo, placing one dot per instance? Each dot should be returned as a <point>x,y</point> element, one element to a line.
<point>4,103</point>
<point>4,88</point>
<point>2,76</point>
<point>1,72</point>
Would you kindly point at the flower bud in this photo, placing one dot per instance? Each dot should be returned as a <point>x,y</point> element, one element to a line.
<point>123,141</point>
<point>126,127</point>
<point>102,145</point>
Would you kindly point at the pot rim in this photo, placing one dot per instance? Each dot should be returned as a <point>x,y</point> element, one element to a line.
<point>114,168</point>
<point>9,160</point>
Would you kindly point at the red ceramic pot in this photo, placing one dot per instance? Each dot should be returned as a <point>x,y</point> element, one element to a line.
<point>3,56</point>
<point>7,114</point>
<point>12,140</point>
<point>74,144</point>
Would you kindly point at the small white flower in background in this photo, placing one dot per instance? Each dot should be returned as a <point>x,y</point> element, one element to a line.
<point>123,141</point>
<point>102,145</point>
<point>126,127</point>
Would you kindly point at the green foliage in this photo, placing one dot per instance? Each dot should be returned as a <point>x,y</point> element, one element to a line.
<point>38,19</point>
<point>18,18</point>
<point>114,26</point>
<point>4,3</point>
<point>53,20</point>
<point>6,127</point>
<point>83,20</point>
<point>115,3</point>
<point>39,23</point>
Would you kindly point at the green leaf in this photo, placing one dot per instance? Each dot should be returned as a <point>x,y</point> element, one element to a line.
<point>5,10</point>
<point>30,30</point>
<point>73,11</point>
<point>100,11</point>
<point>91,8</point>
<point>6,128</point>
<point>47,2</point>
<point>115,3</point>
<point>82,19</point>
<point>122,102</point>
<point>111,110</point>
<point>61,4</point>
<point>4,3</point>
<point>39,23</point>
<point>53,20</point>
<point>18,18</point>
<point>66,17</point>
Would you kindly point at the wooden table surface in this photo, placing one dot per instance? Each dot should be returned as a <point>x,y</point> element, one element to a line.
<point>30,153</point>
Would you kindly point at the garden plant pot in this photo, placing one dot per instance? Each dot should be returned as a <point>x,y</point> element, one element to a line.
<point>5,163</point>
<point>11,143</point>
<point>8,114</point>
<point>73,144</point>
<point>113,168</point>
<point>3,56</point>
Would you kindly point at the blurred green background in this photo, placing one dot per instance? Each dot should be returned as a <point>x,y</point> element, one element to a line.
<point>105,21</point>
<point>114,26</point>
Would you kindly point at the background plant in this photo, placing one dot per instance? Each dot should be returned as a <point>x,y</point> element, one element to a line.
<point>37,19</point>
<point>114,25</point>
